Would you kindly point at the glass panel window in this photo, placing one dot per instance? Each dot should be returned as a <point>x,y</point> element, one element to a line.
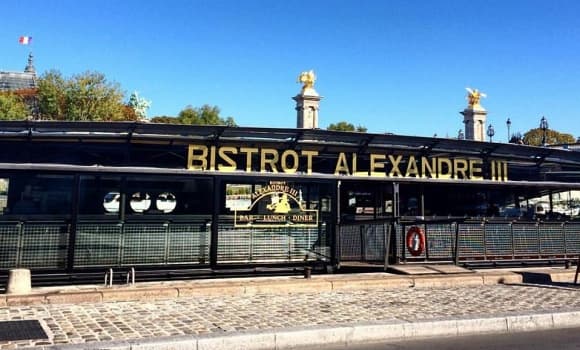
<point>38,194</point>
<point>364,201</point>
<point>4,182</point>
<point>176,196</point>
<point>140,202</point>
<point>100,195</point>
<point>559,205</point>
<point>111,202</point>
<point>238,196</point>
<point>166,202</point>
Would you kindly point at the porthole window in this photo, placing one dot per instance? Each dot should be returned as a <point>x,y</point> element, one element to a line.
<point>166,202</point>
<point>140,202</point>
<point>111,202</point>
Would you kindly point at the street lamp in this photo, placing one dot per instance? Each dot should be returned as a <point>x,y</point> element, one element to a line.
<point>490,132</point>
<point>509,124</point>
<point>460,135</point>
<point>544,127</point>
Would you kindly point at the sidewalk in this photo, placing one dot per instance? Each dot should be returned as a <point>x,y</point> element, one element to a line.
<point>292,312</point>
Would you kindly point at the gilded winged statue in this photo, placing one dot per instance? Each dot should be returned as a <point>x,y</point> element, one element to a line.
<point>307,79</point>
<point>473,97</point>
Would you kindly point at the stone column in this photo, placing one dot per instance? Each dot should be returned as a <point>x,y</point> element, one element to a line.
<point>474,116</point>
<point>307,102</point>
<point>307,107</point>
<point>474,120</point>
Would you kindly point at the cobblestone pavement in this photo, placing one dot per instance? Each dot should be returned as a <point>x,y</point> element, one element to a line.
<point>203,315</point>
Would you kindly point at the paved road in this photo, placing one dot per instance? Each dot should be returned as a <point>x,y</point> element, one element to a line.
<point>561,339</point>
<point>109,321</point>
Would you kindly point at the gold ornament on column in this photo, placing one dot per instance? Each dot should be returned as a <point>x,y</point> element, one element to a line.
<point>473,97</point>
<point>307,79</point>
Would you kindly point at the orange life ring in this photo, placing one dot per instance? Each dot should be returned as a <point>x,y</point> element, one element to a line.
<point>415,241</point>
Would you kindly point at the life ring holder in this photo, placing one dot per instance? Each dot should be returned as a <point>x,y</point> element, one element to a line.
<point>415,240</point>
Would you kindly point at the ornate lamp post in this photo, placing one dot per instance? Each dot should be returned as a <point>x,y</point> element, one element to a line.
<point>490,132</point>
<point>460,135</point>
<point>509,124</point>
<point>544,127</point>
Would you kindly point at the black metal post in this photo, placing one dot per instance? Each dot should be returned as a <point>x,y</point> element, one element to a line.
<point>362,242</point>
<point>577,270</point>
<point>73,224</point>
<point>335,245</point>
<point>404,248</point>
<point>456,249</point>
<point>387,229</point>
<point>213,242</point>
<point>426,242</point>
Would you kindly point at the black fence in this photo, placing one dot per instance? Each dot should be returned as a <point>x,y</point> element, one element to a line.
<point>461,241</point>
<point>57,245</point>
<point>46,245</point>
<point>272,245</point>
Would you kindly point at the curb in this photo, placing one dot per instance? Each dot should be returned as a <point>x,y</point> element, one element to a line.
<point>345,335</point>
<point>263,286</point>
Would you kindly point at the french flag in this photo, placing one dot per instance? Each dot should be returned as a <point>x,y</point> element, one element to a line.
<point>25,40</point>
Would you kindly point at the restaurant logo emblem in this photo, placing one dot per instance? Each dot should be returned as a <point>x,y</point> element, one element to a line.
<point>276,205</point>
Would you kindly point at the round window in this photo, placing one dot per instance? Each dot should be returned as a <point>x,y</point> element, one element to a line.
<point>166,202</point>
<point>111,202</point>
<point>140,202</point>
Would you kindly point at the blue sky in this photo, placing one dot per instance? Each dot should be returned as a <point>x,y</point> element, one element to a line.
<point>392,66</point>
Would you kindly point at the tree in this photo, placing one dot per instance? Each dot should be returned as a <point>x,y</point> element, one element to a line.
<point>129,114</point>
<point>164,119</point>
<point>91,97</point>
<point>204,115</point>
<point>534,137</point>
<point>345,126</point>
<point>517,138</point>
<point>230,122</point>
<point>12,107</point>
<point>52,95</point>
<point>361,128</point>
<point>86,96</point>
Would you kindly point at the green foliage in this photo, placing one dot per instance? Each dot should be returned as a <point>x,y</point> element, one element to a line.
<point>164,119</point>
<point>230,122</point>
<point>129,114</point>
<point>86,96</point>
<point>12,108</point>
<point>51,95</point>
<point>517,138</point>
<point>345,126</point>
<point>534,137</point>
<point>204,115</point>
<point>89,96</point>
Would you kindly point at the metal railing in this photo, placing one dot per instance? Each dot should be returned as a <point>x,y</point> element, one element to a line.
<point>41,244</point>
<point>44,245</point>
<point>271,245</point>
<point>456,241</point>
<point>141,243</point>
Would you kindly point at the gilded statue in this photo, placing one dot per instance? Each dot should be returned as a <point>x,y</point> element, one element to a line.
<point>473,97</point>
<point>307,79</point>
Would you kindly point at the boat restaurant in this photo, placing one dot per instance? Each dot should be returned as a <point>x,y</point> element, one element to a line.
<point>85,196</point>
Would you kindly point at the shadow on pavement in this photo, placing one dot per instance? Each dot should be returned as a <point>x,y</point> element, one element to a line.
<point>543,279</point>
